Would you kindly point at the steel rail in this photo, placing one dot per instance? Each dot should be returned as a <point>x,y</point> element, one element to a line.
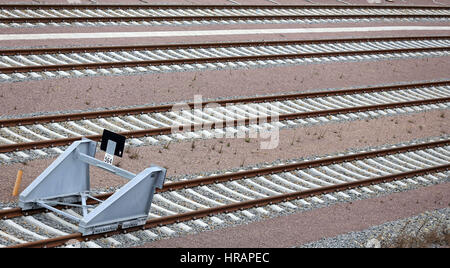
<point>232,7</point>
<point>17,212</point>
<point>143,63</point>
<point>219,124</point>
<point>13,122</point>
<point>59,241</point>
<point>209,18</point>
<point>93,49</point>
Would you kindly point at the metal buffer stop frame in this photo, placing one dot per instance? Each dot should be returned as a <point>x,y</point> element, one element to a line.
<point>67,182</point>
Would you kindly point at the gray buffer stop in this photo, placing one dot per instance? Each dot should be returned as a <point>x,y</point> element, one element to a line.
<point>67,182</point>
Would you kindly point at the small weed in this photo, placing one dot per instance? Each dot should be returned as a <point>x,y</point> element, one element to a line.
<point>242,163</point>
<point>321,135</point>
<point>134,155</point>
<point>166,146</point>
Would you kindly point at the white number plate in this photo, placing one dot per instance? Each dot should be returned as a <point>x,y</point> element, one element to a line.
<point>108,159</point>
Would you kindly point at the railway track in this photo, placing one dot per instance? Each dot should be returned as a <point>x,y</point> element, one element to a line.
<point>234,196</point>
<point>47,63</point>
<point>42,15</point>
<point>188,204</point>
<point>155,124</point>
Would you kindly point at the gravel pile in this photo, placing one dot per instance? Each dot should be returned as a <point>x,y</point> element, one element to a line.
<point>430,229</point>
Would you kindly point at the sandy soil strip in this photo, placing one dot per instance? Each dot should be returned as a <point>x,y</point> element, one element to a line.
<point>152,34</point>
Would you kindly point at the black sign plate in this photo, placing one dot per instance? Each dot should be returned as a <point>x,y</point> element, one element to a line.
<point>118,139</point>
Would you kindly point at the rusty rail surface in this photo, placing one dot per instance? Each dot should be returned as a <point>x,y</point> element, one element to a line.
<point>210,18</point>
<point>219,7</point>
